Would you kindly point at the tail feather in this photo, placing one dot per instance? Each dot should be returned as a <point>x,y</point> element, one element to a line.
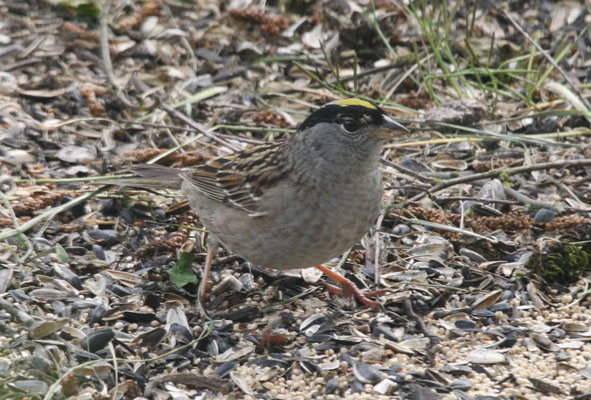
<point>152,176</point>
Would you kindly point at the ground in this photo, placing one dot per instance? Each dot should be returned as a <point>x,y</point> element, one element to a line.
<point>482,250</point>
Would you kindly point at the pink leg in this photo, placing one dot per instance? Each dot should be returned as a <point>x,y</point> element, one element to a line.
<point>348,288</point>
<point>211,250</point>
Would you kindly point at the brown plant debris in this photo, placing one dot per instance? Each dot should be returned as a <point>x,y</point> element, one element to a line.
<point>178,160</point>
<point>511,222</point>
<point>270,25</point>
<point>6,222</point>
<point>70,386</point>
<point>81,33</point>
<point>132,21</point>
<point>175,240</point>
<point>91,93</point>
<point>494,163</point>
<point>268,117</point>
<point>436,216</point>
<point>35,200</point>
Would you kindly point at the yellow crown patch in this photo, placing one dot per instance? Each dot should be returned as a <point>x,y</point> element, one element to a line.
<point>355,102</point>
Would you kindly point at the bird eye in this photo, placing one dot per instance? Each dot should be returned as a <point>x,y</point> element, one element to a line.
<point>351,125</point>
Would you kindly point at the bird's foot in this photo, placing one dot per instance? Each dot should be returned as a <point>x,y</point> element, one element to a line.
<point>348,289</point>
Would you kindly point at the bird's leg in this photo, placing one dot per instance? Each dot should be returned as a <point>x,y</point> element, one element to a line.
<point>211,250</point>
<point>348,288</point>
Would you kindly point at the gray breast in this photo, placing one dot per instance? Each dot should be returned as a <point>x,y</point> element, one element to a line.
<point>295,228</point>
<point>309,228</point>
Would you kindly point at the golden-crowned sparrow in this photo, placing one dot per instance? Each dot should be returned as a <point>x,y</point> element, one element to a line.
<point>296,203</point>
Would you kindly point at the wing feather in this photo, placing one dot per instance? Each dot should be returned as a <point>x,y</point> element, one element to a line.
<point>240,179</point>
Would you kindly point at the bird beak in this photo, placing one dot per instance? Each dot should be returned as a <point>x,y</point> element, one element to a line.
<point>389,129</point>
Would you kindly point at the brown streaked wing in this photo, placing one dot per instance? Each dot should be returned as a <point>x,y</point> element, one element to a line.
<point>240,179</point>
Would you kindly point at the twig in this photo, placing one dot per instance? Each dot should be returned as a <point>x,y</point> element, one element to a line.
<point>174,113</point>
<point>558,209</point>
<point>500,136</point>
<point>222,135</point>
<point>499,201</point>
<point>407,171</point>
<point>472,198</point>
<point>104,40</point>
<point>435,225</point>
<point>549,58</point>
<point>411,314</point>
<point>106,55</point>
<point>497,172</point>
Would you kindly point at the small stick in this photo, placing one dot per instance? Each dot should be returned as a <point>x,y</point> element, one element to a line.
<point>558,209</point>
<point>174,113</point>
<point>497,172</point>
<point>106,56</point>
